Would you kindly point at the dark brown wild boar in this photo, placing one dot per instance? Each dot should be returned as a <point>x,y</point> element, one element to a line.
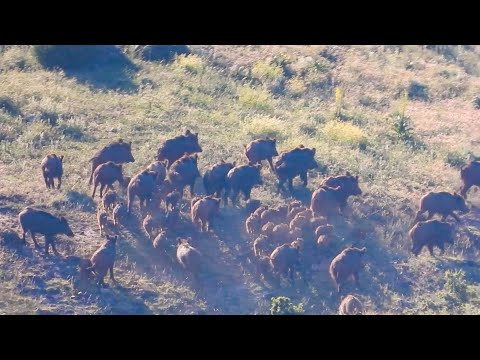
<point>105,175</point>
<point>103,260</point>
<point>326,201</point>
<point>159,167</point>
<point>348,184</point>
<point>345,265</point>
<point>52,168</point>
<point>41,222</point>
<point>276,216</point>
<point>119,152</point>
<point>470,175</point>
<point>109,200</point>
<point>154,224</point>
<point>260,245</point>
<point>242,179</point>
<point>215,177</point>
<point>173,149</point>
<point>120,214</point>
<point>431,233</point>
<point>189,257</point>
<point>142,186</point>
<point>102,220</point>
<point>285,259</point>
<point>442,203</point>
<point>203,212</point>
<point>261,149</point>
<point>253,225</point>
<point>350,305</point>
<point>184,172</point>
<point>172,199</point>
<point>294,163</point>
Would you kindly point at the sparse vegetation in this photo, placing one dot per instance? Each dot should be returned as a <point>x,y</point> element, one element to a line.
<point>399,117</point>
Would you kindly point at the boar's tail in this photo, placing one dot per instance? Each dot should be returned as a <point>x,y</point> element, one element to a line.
<point>463,172</point>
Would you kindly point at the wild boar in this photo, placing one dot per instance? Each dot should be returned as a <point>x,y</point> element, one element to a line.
<point>260,245</point>
<point>103,260</point>
<point>172,199</point>
<point>215,177</point>
<point>109,200</point>
<point>253,225</point>
<point>276,216</point>
<point>161,241</point>
<point>350,305</point>
<point>347,183</point>
<point>203,212</point>
<point>154,224</point>
<point>183,173</point>
<point>105,175</point>
<point>41,222</point>
<point>119,152</point>
<point>159,167</point>
<point>442,203</point>
<point>173,149</point>
<point>470,175</point>
<point>326,201</point>
<point>252,205</point>
<point>345,265</point>
<point>242,179</point>
<point>285,259</point>
<point>189,257</point>
<point>52,168</point>
<point>261,149</point>
<point>294,163</point>
<point>142,186</point>
<point>431,233</point>
<point>102,220</point>
<point>120,214</point>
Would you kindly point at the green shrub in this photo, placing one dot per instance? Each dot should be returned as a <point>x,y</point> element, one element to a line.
<point>346,133</point>
<point>191,63</point>
<point>403,132</point>
<point>417,91</point>
<point>456,287</point>
<point>267,72</point>
<point>254,98</point>
<point>282,305</point>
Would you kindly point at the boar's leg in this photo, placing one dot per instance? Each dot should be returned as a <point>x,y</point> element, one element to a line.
<point>290,184</point>
<point>304,178</point>
<point>247,193</point>
<point>442,248</point>
<point>192,192</point>
<point>102,187</point>
<point>94,166</point>
<point>59,182</point>
<point>111,275</point>
<point>95,184</point>
<point>233,196</point>
<point>32,234</point>
<point>47,180</point>
<point>464,189</point>
<point>430,249</point>
<point>54,248</point>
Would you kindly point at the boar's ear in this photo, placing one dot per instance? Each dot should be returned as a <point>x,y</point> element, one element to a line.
<point>258,166</point>
<point>274,140</point>
<point>301,146</point>
<point>196,156</point>
<point>165,162</point>
<point>245,146</point>
<point>120,140</point>
<point>313,151</point>
<point>234,163</point>
<point>356,177</point>
<point>267,138</point>
<point>196,135</point>
<point>179,240</point>
<point>222,161</point>
<point>348,173</point>
<point>189,239</point>
<point>455,193</point>
<point>217,200</point>
<point>130,144</point>
<point>61,158</point>
<point>62,218</point>
<point>187,132</point>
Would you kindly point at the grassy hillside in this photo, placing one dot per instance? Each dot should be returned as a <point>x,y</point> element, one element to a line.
<point>403,118</point>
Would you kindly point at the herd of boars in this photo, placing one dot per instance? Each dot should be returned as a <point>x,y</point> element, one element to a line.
<point>279,236</point>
